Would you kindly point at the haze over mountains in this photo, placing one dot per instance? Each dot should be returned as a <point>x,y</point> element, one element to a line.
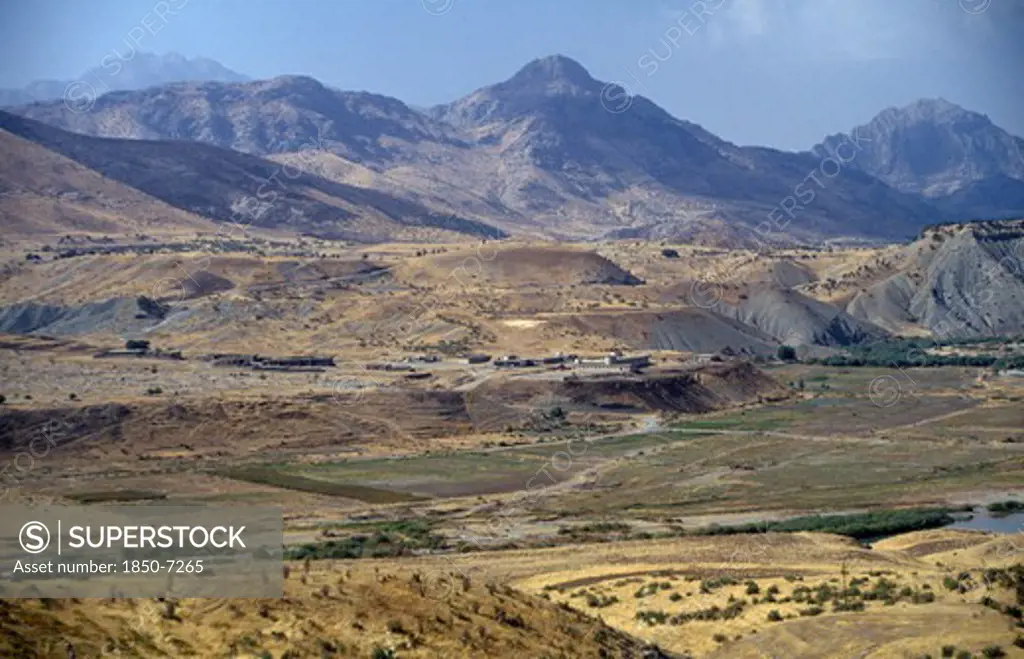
<point>956,158</point>
<point>545,153</point>
<point>132,69</point>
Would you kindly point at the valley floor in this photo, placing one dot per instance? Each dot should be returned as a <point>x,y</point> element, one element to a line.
<point>438,506</point>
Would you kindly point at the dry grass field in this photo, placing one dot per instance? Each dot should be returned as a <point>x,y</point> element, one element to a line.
<point>770,595</point>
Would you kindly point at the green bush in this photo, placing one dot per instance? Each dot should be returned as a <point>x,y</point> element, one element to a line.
<point>600,601</point>
<point>652,617</point>
<point>391,539</point>
<point>861,526</point>
<point>856,605</point>
<point>906,353</point>
<point>923,598</point>
<point>1004,508</point>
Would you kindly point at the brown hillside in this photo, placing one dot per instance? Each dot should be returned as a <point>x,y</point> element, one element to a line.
<point>47,193</point>
<point>327,613</point>
<point>515,266</point>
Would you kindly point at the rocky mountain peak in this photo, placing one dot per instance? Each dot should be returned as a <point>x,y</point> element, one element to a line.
<point>934,111</point>
<point>934,147</point>
<point>297,84</point>
<point>553,73</point>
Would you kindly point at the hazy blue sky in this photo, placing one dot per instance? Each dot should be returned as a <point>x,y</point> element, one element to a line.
<point>775,72</point>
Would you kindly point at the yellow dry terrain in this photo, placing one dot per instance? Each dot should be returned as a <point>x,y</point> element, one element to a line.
<point>808,595</point>
<point>761,595</point>
<point>327,612</point>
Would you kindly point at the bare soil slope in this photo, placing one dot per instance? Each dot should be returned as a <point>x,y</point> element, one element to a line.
<point>689,329</point>
<point>327,613</point>
<point>45,192</point>
<point>228,186</point>
<point>516,266</point>
<point>964,280</point>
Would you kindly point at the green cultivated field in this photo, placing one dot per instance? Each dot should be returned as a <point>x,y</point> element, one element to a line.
<point>834,449</point>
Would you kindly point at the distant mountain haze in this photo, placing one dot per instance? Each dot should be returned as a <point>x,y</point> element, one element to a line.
<point>553,152</point>
<point>955,157</point>
<point>124,68</point>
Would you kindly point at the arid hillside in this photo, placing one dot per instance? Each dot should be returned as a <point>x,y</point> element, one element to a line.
<point>805,596</point>
<point>515,267</point>
<point>507,297</point>
<point>326,613</point>
<point>963,280</point>
<point>46,193</point>
<point>228,187</point>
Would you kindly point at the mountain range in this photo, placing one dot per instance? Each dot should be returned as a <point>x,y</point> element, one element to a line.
<point>131,70</point>
<point>545,154</point>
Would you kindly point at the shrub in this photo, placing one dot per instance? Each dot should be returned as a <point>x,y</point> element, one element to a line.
<point>786,353</point>
<point>600,601</point>
<point>848,606</point>
<point>993,652</point>
<point>720,638</point>
<point>382,653</point>
<point>646,591</point>
<point>652,617</point>
<point>1004,508</point>
<point>753,588</point>
<point>774,615</point>
<point>857,525</point>
<point>923,598</point>
<point>948,650</point>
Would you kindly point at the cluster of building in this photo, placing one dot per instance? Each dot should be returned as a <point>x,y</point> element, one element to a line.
<point>266,363</point>
<point>390,366</point>
<point>611,360</point>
